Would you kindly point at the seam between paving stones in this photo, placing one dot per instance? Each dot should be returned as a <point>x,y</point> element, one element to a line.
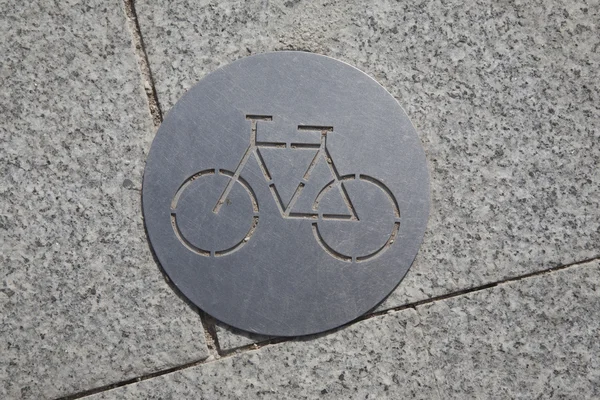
<point>429,357</point>
<point>431,370</point>
<point>208,322</point>
<point>274,341</point>
<point>143,63</point>
<point>211,337</point>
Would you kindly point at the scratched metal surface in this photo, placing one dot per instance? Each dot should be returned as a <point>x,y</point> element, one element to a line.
<point>286,193</point>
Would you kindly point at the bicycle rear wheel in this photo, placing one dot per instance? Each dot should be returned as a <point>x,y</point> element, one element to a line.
<point>371,233</point>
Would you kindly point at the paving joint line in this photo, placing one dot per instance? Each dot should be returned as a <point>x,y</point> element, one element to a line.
<point>274,341</point>
<point>413,305</point>
<point>479,288</point>
<point>210,333</point>
<point>432,371</point>
<point>111,386</point>
<point>143,63</point>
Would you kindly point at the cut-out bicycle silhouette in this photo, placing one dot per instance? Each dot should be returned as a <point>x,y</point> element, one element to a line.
<point>317,218</point>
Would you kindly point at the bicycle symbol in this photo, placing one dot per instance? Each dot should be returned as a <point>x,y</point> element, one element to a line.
<point>317,218</point>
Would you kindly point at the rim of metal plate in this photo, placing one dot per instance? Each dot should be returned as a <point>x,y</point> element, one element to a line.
<point>286,193</point>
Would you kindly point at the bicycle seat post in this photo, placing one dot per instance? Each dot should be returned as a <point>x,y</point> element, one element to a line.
<point>254,118</point>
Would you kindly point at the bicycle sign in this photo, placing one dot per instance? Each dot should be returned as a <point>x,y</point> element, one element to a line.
<point>286,194</point>
<point>337,183</point>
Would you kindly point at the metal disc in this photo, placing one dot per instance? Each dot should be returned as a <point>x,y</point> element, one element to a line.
<point>286,193</point>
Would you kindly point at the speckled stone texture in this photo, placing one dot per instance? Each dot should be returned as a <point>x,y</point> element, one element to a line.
<point>383,357</point>
<point>534,338</point>
<point>82,303</point>
<point>505,96</point>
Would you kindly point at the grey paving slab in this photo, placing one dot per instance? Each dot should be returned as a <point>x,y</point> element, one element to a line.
<point>504,95</point>
<point>532,339</point>
<point>232,338</point>
<point>82,303</point>
<point>383,357</point>
<point>528,339</point>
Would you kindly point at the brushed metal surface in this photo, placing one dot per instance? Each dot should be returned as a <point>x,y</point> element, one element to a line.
<point>286,193</point>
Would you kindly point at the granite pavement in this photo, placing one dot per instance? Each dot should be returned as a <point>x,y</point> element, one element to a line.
<point>504,94</point>
<point>82,302</point>
<point>527,339</point>
<point>500,302</point>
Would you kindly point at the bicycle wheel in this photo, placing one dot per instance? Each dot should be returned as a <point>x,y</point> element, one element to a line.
<point>206,232</point>
<point>366,234</point>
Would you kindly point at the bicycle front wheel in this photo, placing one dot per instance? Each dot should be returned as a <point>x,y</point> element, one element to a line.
<point>198,225</point>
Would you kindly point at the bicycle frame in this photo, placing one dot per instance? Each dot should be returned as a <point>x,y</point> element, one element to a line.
<point>322,151</point>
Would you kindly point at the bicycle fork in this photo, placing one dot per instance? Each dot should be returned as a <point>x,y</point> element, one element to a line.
<point>251,148</point>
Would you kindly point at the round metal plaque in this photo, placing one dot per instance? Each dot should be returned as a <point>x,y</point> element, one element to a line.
<point>286,193</point>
